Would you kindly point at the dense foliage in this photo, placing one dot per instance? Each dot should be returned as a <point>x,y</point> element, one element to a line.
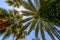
<point>51,12</point>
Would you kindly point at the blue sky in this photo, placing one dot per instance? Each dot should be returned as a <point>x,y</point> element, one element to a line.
<point>5,6</point>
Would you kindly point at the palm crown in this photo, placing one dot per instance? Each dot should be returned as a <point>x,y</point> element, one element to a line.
<point>44,14</point>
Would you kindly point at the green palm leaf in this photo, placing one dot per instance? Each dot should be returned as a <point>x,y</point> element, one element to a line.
<point>42,31</point>
<point>15,3</point>
<point>32,26</point>
<point>25,20</point>
<point>27,6</point>
<point>49,32</point>
<point>55,33</point>
<point>6,35</point>
<point>26,13</point>
<point>37,4</point>
<point>31,4</point>
<point>37,30</point>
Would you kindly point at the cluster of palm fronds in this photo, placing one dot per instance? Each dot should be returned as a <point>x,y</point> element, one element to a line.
<point>10,23</point>
<point>42,16</point>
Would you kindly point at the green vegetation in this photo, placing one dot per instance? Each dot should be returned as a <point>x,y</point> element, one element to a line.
<point>44,16</point>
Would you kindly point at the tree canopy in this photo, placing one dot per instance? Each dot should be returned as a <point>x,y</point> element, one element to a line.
<point>44,17</point>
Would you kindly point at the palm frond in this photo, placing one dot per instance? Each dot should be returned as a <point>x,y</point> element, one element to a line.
<point>39,12</point>
<point>37,30</point>
<point>37,4</point>
<point>27,6</point>
<point>31,4</point>
<point>27,13</point>
<point>42,31</point>
<point>49,32</point>
<point>25,20</point>
<point>15,3</point>
<point>6,35</point>
<point>32,26</point>
<point>9,20</point>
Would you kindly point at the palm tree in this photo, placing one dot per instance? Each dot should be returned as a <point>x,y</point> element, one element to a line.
<point>42,15</point>
<point>10,23</point>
